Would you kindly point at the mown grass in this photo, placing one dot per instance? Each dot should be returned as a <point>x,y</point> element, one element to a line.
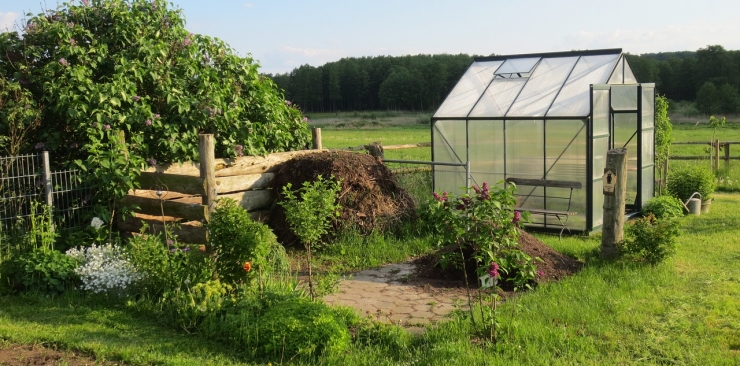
<point>683,311</point>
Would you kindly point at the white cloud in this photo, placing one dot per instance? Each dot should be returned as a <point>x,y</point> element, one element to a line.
<point>248,5</point>
<point>312,52</point>
<point>7,21</point>
<point>687,37</point>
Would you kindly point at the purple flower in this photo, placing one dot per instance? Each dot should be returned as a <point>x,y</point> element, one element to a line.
<point>39,146</point>
<point>187,41</point>
<point>437,197</point>
<point>239,150</point>
<point>86,2</point>
<point>156,115</point>
<point>493,270</point>
<point>72,41</point>
<point>517,218</point>
<point>186,249</point>
<point>218,110</point>
<point>152,161</point>
<point>63,61</point>
<point>173,250</point>
<point>170,242</point>
<point>148,122</point>
<point>137,98</point>
<point>305,119</point>
<point>107,126</point>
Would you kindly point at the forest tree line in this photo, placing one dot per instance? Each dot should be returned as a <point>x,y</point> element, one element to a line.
<point>709,76</point>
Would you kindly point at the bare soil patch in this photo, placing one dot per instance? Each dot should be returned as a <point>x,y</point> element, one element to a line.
<point>28,355</point>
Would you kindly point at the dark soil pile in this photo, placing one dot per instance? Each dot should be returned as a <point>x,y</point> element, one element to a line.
<point>555,266</point>
<point>371,198</point>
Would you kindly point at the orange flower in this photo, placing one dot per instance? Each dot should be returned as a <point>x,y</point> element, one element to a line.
<point>247,266</point>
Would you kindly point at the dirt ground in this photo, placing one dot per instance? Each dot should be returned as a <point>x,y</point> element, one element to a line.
<point>32,355</point>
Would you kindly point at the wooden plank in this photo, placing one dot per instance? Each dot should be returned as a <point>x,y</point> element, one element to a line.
<point>544,183</point>
<point>166,195</point>
<point>244,182</point>
<point>188,232</point>
<point>256,164</point>
<point>252,200</point>
<point>407,146</point>
<point>232,166</point>
<point>182,207</point>
<point>171,182</point>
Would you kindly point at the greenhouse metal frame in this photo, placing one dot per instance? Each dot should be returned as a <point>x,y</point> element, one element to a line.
<point>548,117</point>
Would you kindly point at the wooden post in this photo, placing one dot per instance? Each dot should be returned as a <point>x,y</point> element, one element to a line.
<point>727,155</point>
<point>207,170</point>
<point>48,188</point>
<point>316,134</point>
<point>716,155</point>
<point>615,190</point>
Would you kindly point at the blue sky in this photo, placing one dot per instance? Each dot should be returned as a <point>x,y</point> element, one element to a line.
<point>283,34</point>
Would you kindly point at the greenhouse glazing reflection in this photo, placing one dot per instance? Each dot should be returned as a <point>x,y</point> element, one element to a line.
<point>550,116</point>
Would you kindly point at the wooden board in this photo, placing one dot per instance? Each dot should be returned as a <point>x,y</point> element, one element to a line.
<point>244,182</point>
<point>252,200</point>
<point>229,167</point>
<point>182,207</point>
<point>185,184</point>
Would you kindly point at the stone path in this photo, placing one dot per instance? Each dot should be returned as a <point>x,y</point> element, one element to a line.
<point>386,294</point>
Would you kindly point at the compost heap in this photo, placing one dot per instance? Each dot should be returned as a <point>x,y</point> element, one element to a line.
<point>371,198</point>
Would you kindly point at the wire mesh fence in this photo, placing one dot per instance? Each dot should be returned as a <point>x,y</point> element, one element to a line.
<point>26,181</point>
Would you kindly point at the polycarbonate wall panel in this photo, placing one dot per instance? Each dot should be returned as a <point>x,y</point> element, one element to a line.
<point>449,179</point>
<point>486,149</point>
<point>648,184</point>
<point>648,107</point>
<point>601,146</point>
<point>648,148</point>
<point>601,113</point>
<point>597,209</point>
<point>624,97</point>
<point>525,149</point>
<point>543,85</point>
<point>498,97</point>
<point>515,65</point>
<point>449,141</point>
<point>625,125</point>
<point>566,149</point>
<point>629,76</point>
<point>573,99</point>
<point>618,74</point>
<point>468,90</point>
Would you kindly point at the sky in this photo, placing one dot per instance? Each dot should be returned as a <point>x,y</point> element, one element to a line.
<point>284,34</point>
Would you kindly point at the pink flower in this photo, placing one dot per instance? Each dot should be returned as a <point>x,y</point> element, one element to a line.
<point>517,218</point>
<point>152,161</point>
<point>305,119</point>
<point>148,122</point>
<point>540,273</point>
<point>493,270</point>
<point>63,61</point>
<point>137,98</point>
<point>239,150</point>
<point>288,103</point>
<point>107,126</point>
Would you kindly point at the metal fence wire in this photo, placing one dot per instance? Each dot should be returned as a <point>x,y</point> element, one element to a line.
<point>28,179</point>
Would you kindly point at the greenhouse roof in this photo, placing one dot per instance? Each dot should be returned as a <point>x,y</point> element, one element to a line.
<point>534,85</point>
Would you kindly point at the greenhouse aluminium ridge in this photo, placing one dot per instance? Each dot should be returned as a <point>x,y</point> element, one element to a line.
<point>609,51</point>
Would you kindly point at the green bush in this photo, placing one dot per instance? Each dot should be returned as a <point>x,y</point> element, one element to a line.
<point>237,240</point>
<point>41,270</point>
<point>683,182</point>
<point>650,239</point>
<point>187,307</point>
<point>300,327</point>
<point>165,267</point>
<point>663,207</point>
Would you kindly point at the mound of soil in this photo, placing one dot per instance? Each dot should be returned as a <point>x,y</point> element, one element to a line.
<point>371,198</point>
<point>554,266</point>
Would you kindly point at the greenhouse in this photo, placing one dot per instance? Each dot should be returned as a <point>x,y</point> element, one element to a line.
<point>545,123</point>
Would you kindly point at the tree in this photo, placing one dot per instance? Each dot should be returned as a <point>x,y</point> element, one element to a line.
<point>728,99</point>
<point>707,98</point>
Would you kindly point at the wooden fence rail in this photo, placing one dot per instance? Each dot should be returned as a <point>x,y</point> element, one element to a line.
<point>716,147</point>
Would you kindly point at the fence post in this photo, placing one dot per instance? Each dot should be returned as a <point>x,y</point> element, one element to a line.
<point>615,190</point>
<point>316,137</point>
<point>48,188</point>
<point>207,171</point>
<point>727,155</point>
<point>716,155</point>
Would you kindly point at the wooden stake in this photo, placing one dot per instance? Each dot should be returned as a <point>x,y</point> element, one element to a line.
<point>207,171</point>
<point>613,229</point>
<point>316,135</point>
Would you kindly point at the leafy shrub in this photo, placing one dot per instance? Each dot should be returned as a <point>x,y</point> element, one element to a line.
<point>298,326</point>
<point>237,240</point>
<point>650,239</point>
<point>41,270</point>
<point>683,182</point>
<point>189,306</point>
<point>485,224</point>
<point>166,267</point>
<point>663,207</point>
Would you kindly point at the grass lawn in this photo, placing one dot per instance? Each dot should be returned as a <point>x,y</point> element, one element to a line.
<point>683,311</point>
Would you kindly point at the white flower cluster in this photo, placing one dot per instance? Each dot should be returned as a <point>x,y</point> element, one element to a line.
<point>103,268</point>
<point>97,223</point>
